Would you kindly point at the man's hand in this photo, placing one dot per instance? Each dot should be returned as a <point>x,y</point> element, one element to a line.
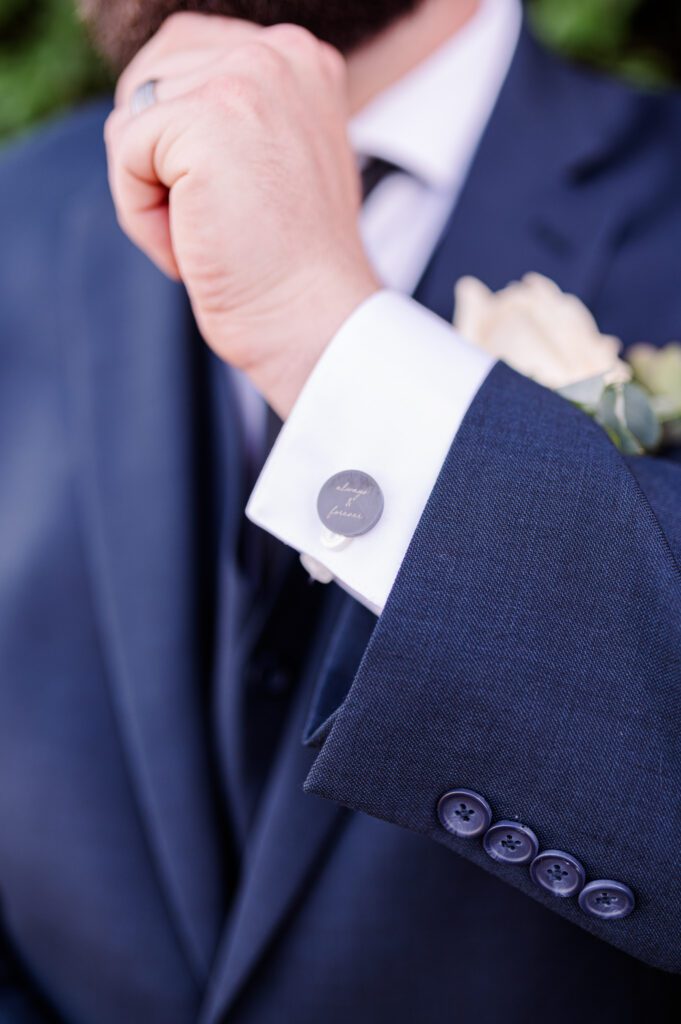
<point>241,182</point>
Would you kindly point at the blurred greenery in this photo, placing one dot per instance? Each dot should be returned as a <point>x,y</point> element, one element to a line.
<point>46,64</point>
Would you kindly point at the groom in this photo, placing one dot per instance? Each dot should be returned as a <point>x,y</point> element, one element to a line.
<point>442,781</point>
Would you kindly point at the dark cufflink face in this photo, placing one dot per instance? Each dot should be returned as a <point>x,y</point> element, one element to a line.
<point>464,813</point>
<point>509,842</point>
<point>350,503</point>
<point>557,872</point>
<point>607,900</point>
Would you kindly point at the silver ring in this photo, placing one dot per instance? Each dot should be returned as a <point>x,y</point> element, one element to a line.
<point>144,97</point>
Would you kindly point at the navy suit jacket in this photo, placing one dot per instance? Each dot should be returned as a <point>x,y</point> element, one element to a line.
<point>530,649</point>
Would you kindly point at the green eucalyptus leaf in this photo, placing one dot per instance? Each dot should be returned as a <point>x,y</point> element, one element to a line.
<point>606,412</point>
<point>626,412</point>
<point>610,416</point>
<point>639,417</point>
<point>585,393</point>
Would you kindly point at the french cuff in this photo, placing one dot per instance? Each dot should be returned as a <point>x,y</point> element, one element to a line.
<point>385,401</point>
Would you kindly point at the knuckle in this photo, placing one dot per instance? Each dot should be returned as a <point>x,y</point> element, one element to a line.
<point>334,62</point>
<point>172,29</point>
<point>217,90</point>
<point>296,37</point>
<point>262,59</point>
<point>235,92</point>
<point>179,22</point>
<point>179,29</point>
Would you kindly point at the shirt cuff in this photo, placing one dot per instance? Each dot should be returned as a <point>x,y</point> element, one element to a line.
<point>386,398</point>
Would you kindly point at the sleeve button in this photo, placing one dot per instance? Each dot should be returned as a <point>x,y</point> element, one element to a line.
<point>558,873</point>
<point>464,813</point>
<point>509,842</point>
<point>607,900</point>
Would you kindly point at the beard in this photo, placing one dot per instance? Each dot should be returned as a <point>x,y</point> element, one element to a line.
<point>121,27</point>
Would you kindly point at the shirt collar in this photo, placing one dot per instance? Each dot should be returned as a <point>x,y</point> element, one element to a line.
<point>430,122</point>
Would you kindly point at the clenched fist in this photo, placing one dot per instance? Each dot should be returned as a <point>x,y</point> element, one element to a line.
<point>241,182</point>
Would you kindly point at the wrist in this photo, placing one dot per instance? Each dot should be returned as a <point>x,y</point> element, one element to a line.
<point>305,327</point>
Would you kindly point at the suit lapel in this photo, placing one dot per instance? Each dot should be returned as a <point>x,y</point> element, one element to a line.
<point>136,406</point>
<point>532,200</point>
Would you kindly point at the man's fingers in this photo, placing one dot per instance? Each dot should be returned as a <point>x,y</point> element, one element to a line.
<point>144,215</point>
<point>146,157</point>
<point>205,97</point>
<point>184,38</point>
<point>305,52</point>
<point>155,240</point>
<point>180,62</point>
<point>171,86</point>
<point>165,71</point>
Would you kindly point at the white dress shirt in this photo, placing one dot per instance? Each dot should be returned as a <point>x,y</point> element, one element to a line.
<point>390,392</point>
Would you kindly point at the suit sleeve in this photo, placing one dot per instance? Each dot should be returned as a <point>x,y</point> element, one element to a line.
<point>530,651</point>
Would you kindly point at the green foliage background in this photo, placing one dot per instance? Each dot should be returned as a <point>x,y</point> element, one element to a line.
<point>46,64</point>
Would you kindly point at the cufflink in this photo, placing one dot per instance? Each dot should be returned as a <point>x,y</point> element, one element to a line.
<point>349,505</point>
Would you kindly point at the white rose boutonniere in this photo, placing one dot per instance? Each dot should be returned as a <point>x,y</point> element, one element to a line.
<point>551,336</point>
<point>540,331</point>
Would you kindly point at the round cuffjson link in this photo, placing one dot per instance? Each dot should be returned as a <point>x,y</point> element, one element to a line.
<point>349,505</point>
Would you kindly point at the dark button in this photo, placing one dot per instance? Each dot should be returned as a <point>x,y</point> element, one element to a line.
<point>607,900</point>
<point>350,503</point>
<point>464,813</point>
<point>559,873</point>
<point>511,843</point>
